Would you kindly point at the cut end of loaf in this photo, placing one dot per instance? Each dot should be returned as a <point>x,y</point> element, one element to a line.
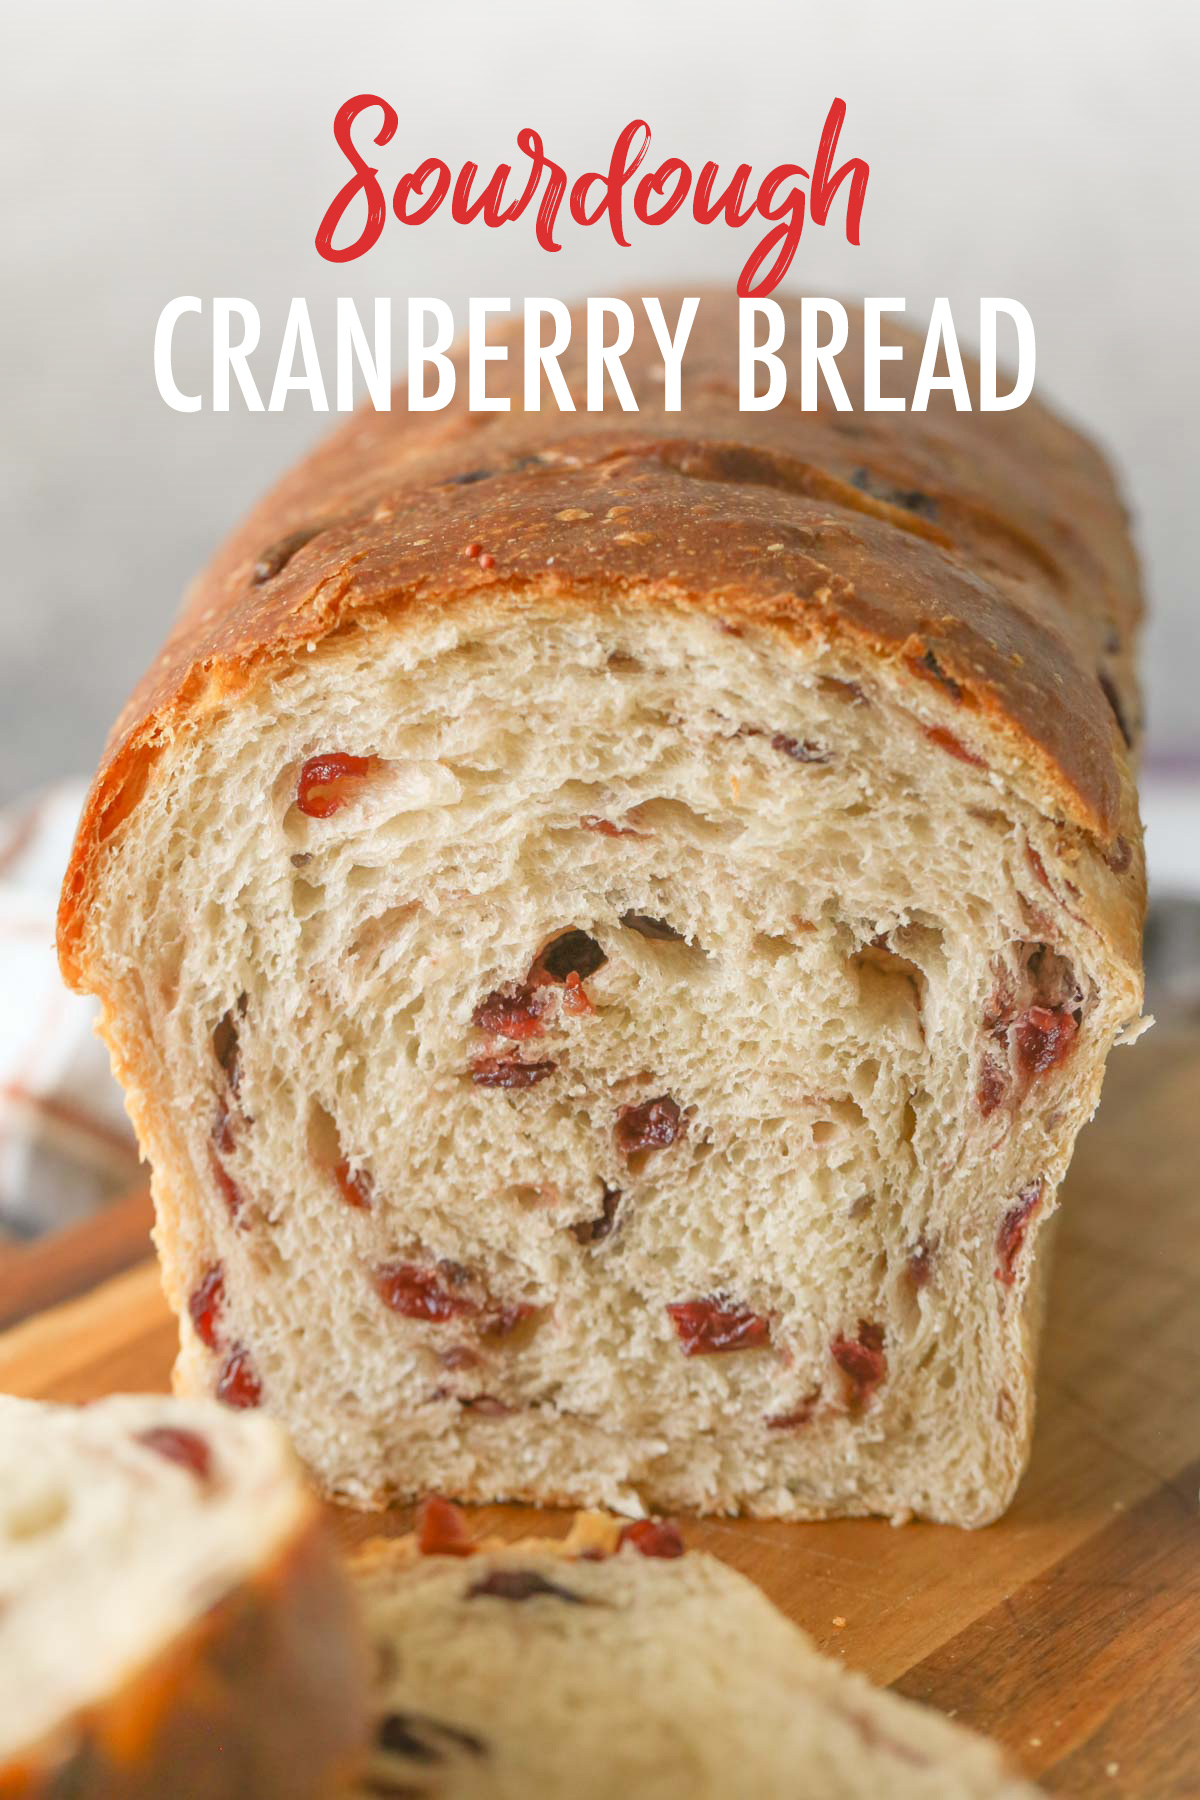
<point>605,1057</point>
<point>166,1584</point>
<point>610,1661</point>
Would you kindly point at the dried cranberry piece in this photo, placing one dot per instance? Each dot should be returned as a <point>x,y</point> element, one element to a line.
<point>572,952</point>
<point>512,1014</point>
<point>459,1356</point>
<point>205,1304</point>
<point>1013,1230</point>
<point>992,1085</point>
<point>712,1326</point>
<point>1042,1038</point>
<point>356,1189</point>
<point>651,1126</point>
<point>327,783</point>
<point>575,996</point>
<point>798,1416</point>
<point>416,1291</point>
<point>238,1384</point>
<point>862,1362</point>
<point>441,1528</point>
<point>653,1537</point>
<point>509,1072</point>
<point>187,1448</point>
<point>521,1584</point>
<point>606,828</point>
<point>594,1231</point>
<point>946,740</point>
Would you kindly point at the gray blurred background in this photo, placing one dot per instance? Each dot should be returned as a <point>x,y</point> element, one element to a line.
<point>1043,151</point>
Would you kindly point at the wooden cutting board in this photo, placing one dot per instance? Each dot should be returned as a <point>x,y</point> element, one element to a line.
<point>1070,1630</point>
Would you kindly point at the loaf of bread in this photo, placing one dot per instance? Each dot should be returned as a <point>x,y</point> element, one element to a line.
<point>172,1620</point>
<point>613,1663</point>
<point>610,924</point>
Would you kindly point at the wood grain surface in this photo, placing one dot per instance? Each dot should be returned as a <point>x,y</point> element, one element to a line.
<point>1070,1630</point>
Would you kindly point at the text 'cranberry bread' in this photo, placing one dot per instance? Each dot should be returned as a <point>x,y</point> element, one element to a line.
<point>612,1662</point>
<point>172,1620</point>
<point>610,925</point>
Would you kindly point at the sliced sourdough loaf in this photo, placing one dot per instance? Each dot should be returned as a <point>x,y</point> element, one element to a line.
<point>172,1620</point>
<point>609,927</point>
<point>612,1663</point>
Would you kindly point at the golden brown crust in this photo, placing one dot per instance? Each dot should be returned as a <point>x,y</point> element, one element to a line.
<point>986,550</point>
<point>263,1698</point>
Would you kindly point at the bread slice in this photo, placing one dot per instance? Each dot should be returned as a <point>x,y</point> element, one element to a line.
<point>612,1663</point>
<point>610,926</point>
<point>172,1620</point>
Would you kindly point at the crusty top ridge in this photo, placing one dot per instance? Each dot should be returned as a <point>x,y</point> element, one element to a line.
<point>987,550</point>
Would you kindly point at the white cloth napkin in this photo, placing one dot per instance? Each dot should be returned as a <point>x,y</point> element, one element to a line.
<point>65,1143</point>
